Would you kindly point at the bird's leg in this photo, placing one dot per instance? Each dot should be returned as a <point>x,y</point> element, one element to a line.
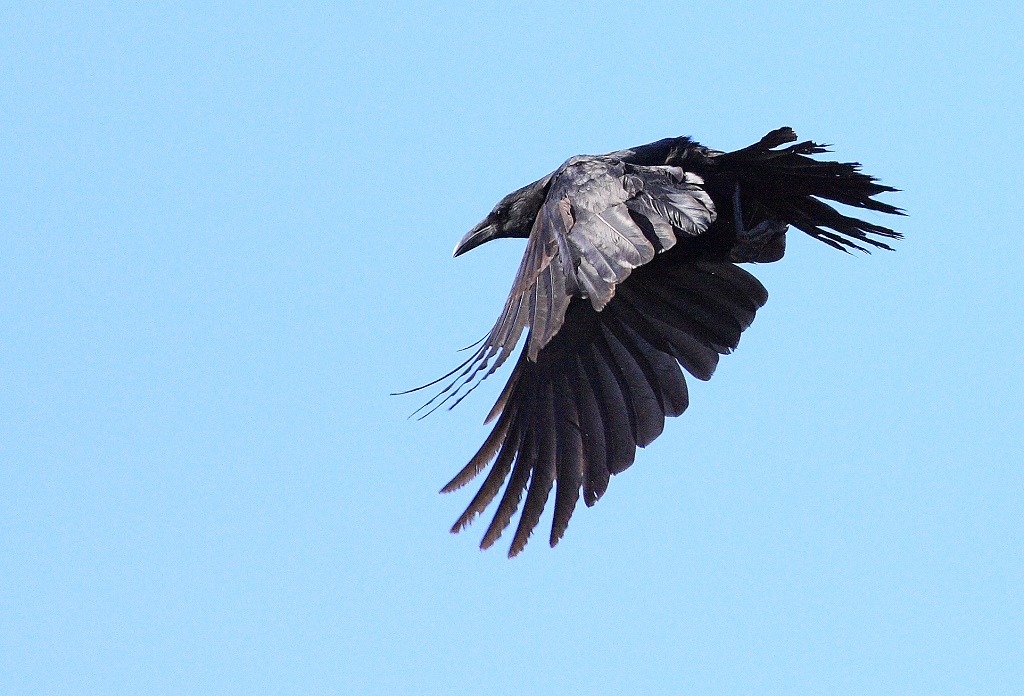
<point>762,243</point>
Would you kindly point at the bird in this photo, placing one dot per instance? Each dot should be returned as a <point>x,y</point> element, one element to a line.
<point>630,277</point>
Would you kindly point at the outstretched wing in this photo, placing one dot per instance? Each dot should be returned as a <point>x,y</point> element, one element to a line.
<point>602,387</point>
<point>601,219</point>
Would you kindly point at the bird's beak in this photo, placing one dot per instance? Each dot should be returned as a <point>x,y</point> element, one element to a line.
<point>483,232</point>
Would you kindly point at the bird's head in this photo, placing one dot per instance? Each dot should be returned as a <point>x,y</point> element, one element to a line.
<point>513,216</point>
<point>487,229</point>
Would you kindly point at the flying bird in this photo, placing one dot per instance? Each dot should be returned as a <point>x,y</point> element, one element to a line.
<point>629,277</point>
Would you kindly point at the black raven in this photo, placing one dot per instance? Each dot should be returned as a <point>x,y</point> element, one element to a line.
<point>629,273</point>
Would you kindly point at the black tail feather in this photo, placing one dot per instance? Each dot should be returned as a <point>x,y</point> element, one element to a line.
<point>791,185</point>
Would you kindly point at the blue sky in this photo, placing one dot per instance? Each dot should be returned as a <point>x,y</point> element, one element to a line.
<point>226,237</point>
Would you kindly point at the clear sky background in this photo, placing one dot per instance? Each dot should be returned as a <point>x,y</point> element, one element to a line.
<point>225,236</point>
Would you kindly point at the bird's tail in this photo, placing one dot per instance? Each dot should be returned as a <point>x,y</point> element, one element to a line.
<point>790,185</point>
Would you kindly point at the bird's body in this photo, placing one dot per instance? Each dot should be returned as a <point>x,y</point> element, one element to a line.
<point>629,275</point>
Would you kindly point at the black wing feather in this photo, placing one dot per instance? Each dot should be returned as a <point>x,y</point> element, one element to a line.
<point>570,460</point>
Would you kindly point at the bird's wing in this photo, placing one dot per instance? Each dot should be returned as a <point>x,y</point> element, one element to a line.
<point>610,321</point>
<point>601,219</point>
<point>602,387</point>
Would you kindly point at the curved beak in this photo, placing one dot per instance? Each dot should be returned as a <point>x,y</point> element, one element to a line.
<point>483,232</point>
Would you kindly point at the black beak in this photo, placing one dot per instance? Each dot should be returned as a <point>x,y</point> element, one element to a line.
<point>483,232</point>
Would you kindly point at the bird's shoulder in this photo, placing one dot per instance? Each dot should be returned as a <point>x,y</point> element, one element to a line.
<point>681,151</point>
<point>591,182</point>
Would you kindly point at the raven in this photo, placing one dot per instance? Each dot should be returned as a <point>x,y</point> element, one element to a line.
<point>629,275</point>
